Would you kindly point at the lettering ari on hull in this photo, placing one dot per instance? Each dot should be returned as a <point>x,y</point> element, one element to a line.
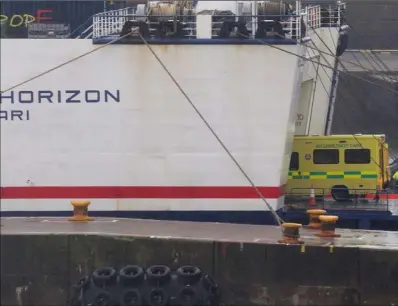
<point>26,98</point>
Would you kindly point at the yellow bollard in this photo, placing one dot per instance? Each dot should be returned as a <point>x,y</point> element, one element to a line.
<point>80,211</point>
<point>291,233</point>
<point>328,226</point>
<point>314,214</point>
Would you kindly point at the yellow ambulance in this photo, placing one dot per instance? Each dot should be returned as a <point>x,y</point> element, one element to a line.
<point>342,166</point>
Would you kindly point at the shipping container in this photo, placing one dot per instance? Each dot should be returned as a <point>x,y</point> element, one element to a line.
<point>16,15</point>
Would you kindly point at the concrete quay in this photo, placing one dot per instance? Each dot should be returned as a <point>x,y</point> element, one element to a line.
<point>41,258</point>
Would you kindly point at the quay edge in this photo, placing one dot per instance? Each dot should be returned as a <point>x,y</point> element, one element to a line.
<point>246,260</point>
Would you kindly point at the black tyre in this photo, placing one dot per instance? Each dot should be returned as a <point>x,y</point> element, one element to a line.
<point>104,277</point>
<point>157,297</point>
<point>131,275</point>
<point>340,193</point>
<point>189,275</point>
<point>102,299</point>
<point>187,297</point>
<point>131,298</point>
<point>158,275</point>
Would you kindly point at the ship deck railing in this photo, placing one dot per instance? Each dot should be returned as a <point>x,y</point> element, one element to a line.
<point>298,199</point>
<point>110,24</point>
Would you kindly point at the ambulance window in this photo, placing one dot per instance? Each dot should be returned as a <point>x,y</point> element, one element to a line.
<point>326,156</point>
<point>357,156</point>
<point>294,161</point>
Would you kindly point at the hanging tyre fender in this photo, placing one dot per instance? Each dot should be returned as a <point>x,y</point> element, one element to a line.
<point>189,275</point>
<point>158,275</point>
<point>131,275</point>
<point>81,287</point>
<point>210,285</point>
<point>212,300</point>
<point>104,277</point>
<point>188,297</point>
<point>342,44</point>
<point>131,297</point>
<point>102,299</point>
<point>83,284</point>
<point>157,297</point>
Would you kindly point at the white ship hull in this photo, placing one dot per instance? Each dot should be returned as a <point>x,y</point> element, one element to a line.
<point>112,128</point>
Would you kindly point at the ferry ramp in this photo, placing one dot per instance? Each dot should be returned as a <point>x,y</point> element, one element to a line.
<point>361,59</point>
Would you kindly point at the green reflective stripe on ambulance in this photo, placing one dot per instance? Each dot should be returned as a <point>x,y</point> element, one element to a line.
<point>332,175</point>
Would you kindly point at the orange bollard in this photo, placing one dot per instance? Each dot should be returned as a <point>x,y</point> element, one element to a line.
<point>80,211</point>
<point>291,233</point>
<point>314,222</point>
<point>312,200</point>
<point>328,226</point>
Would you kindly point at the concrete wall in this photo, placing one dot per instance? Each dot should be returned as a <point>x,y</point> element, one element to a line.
<point>40,270</point>
<point>374,24</point>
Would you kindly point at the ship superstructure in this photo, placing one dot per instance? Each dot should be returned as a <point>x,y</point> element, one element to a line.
<point>100,118</point>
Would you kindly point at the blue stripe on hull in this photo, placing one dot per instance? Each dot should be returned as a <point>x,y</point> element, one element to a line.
<point>243,217</point>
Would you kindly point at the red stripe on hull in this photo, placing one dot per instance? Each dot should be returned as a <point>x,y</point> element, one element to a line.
<point>139,192</point>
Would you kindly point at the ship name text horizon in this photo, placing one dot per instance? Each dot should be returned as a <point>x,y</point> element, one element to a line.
<point>59,96</point>
<point>50,97</point>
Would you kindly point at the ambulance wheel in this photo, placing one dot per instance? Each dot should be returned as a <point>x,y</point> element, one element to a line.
<point>340,193</point>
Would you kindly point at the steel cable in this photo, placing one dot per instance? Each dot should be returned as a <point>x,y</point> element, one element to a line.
<point>63,64</point>
<point>188,99</point>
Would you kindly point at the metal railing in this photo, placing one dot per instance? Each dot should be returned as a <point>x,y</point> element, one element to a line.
<point>110,23</point>
<point>313,14</point>
<point>333,15</point>
<point>86,34</point>
<point>330,16</point>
